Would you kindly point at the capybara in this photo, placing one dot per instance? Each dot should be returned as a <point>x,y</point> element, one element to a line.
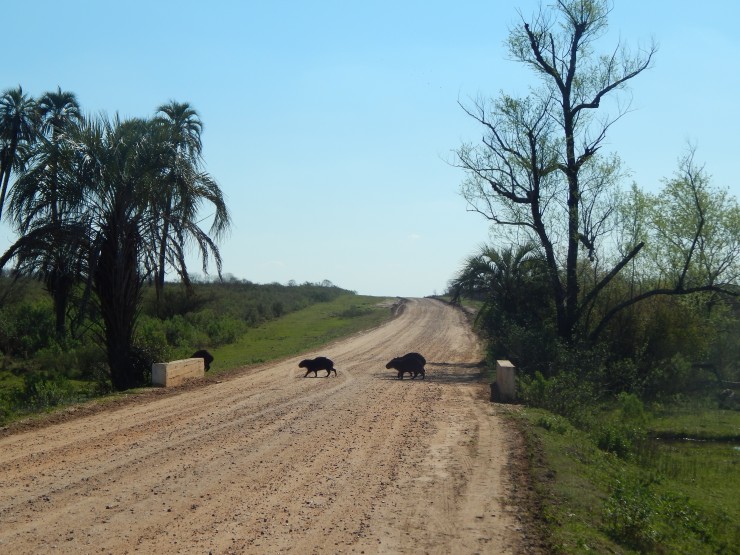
<point>206,356</point>
<point>413,363</point>
<point>316,364</point>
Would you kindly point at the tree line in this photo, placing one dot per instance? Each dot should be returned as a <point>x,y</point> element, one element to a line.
<point>579,263</point>
<point>101,206</point>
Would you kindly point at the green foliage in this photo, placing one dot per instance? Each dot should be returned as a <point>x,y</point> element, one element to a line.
<point>210,315</point>
<point>553,423</point>
<point>656,497</point>
<point>617,438</point>
<point>355,311</point>
<point>41,391</point>
<point>629,515</point>
<point>640,516</point>
<point>223,329</point>
<point>575,385</point>
<point>631,408</point>
<point>26,327</point>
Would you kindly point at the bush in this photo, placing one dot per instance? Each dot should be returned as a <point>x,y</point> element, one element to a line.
<point>26,328</point>
<point>57,361</point>
<point>618,439</point>
<point>40,392</point>
<point>629,515</point>
<point>631,408</point>
<point>668,378</point>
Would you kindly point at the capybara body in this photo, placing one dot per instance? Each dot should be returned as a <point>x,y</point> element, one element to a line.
<point>413,363</point>
<point>316,364</point>
<point>206,356</point>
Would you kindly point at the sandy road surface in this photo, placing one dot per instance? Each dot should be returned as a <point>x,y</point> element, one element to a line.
<point>270,462</point>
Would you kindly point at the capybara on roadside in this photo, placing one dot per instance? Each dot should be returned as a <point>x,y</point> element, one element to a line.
<point>413,363</point>
<point>206,356</point>
<point>316,364</point>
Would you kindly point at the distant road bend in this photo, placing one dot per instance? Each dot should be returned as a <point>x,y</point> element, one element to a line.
<point>271,462</point>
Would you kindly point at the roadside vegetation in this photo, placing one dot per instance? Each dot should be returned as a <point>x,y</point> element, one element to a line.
<point>239,322</point>
<point>618,306</point>
<point>102,206</point>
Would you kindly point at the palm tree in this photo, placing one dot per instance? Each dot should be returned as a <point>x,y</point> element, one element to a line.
<point>509,282</point>
<point>111,182</point>
<point>17,131</point>
<point>184,186</point>
<point>59,113</point>
<point>44,194</point>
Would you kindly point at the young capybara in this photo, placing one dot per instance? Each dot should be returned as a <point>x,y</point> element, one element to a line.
<point>316,364</point>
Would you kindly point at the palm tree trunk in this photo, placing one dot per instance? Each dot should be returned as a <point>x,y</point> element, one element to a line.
<point>118,287</point>
<point>159,282</point>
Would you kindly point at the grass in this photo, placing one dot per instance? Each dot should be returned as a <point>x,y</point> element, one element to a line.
<point>665,497</point>
<point>303,330</point>
<point>697,423</point>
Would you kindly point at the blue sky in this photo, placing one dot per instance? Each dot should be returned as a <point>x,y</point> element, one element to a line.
<point>329,125</point>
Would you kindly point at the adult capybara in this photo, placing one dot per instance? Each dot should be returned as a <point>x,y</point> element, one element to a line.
<point>413,363</point>
<point>206,356</point>
<point>316,364</point>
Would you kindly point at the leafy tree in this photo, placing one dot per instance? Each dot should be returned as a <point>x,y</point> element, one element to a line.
<point>539,174</point>
<point>692,233</point>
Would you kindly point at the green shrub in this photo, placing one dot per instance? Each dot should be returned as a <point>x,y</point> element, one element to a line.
<point>565,394</point>
<point>631,408</point>
<point>354,311</point>
<point>617,438</point>
<point>668,377</point>
<point>553,423</point>
<point>58,361</point>
<point>26,328</point>
<point>629,515</point>
<point>41,392</point>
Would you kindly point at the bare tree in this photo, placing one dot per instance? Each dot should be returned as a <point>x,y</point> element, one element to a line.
<point>537,173</point>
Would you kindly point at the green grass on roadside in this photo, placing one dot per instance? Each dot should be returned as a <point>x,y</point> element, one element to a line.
<point>698,424</point>
<point>667,497</point>
<point>303,330</point>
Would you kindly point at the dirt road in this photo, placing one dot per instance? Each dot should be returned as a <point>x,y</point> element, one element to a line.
<point>272,462</point>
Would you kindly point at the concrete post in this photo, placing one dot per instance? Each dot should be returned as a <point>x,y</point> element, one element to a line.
<point>505,381</point>
<point>170,374</point>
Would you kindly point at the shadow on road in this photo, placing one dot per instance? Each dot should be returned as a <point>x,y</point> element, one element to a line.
<point>445,372</point>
